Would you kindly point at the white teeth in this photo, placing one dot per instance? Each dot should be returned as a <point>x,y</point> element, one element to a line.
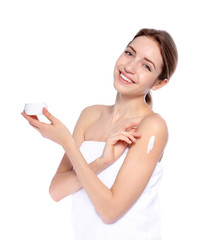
<point>125,78</point>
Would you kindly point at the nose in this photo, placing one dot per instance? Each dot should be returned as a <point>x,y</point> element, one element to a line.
<point>130,67</point>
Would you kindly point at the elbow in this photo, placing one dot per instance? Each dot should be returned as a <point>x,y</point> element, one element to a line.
<point>108,220</point>
<point>109,217</point>
<point>53,195</point>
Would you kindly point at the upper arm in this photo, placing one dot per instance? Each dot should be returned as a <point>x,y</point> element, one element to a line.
<point>78,135</point>
<point>79,129</point>
<point>85,119</point>
<point>139,165</point>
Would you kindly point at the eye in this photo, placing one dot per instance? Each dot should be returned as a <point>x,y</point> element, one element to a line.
<point>147,67</point>
<point>128,53</point>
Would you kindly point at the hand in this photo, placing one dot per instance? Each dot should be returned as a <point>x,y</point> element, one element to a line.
<point>55,131</point>
<point>118,141</point>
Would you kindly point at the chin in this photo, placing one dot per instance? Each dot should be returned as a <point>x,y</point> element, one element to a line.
<point>121,89</point>
<point>117,86</point>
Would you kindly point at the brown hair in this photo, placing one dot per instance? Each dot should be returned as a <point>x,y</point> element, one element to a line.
<point>168,51</point>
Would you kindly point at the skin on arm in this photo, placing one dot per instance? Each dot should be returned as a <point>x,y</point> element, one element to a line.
<point>133,176</point>
<point>138,167</point>
<point>65,181</point>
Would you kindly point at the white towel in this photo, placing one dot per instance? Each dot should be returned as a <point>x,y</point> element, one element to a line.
<point>141,222</point>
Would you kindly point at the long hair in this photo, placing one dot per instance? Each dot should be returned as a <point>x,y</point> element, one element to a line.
<point>168,52</point>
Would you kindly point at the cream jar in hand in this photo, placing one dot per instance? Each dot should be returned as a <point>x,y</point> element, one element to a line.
<point>34,108</point>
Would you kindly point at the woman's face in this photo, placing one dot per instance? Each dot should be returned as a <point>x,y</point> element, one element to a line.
<point>137,69</point>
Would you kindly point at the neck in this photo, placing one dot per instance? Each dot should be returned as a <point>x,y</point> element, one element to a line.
<point>126,107</point>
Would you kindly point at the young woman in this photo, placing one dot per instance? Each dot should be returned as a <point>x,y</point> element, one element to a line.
<point>112,161</point>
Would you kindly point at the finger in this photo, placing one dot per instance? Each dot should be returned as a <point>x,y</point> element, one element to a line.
<point>31,120</point>
<point>136,134</point>
<point>119,137</point>
<point>125,139</point>
<point>48,115</point>
<point>35,127</point>
<point>131,125</point>
<point>134,130</point>
<point>130,135</point>
<point>34,117</point>
<point>131,130</point>
<point>123,136</point>
<point>27,117</point>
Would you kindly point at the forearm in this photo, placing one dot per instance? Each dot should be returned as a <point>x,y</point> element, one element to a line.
<point>65,183</point>
<point>98,193</point>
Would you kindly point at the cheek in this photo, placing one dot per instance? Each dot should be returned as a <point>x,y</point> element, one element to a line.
<point>146,80</point>
<point>119,61</point>
<point>146,76</point>
<point>150,81</point>
<point>115,73</point>
<point>117,66</point>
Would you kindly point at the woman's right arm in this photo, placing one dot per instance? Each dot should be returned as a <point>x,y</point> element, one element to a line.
<point>65,181</point>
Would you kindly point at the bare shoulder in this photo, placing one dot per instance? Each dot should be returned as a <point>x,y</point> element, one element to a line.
<point>152,127</point>
<point>92,113</point>
<point>155,123</point>
<point>88,116</point>
<point>94,110</point>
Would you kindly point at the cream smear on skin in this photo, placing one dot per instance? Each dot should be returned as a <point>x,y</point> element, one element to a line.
<point>150,144</point>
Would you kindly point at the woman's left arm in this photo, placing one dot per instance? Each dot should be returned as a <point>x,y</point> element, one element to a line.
<point>133,175</point>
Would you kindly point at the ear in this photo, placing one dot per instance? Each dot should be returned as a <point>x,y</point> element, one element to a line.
<point>160,83</point>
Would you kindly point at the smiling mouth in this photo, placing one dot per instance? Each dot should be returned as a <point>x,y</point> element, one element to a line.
<point>125,79</point>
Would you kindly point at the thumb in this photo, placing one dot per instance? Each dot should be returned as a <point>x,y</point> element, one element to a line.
<point>48,115</point>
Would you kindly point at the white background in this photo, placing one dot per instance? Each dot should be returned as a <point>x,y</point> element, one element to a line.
<point>63,53</point>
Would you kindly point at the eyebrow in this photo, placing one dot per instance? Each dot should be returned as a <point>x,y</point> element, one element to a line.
<point>145,58</point>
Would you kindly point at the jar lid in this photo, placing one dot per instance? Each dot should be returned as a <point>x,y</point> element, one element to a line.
<point>34,108</point>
